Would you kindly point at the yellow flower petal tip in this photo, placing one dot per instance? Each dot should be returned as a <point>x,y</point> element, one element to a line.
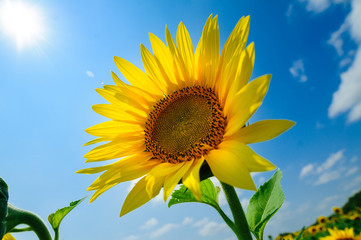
<point>189,105</point>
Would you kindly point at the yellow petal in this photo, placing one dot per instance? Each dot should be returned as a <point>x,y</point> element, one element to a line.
<point>172,180</point>
<point>93,170</point>
<point>114,150</point>
<point>245,67</point>
<point>164,56</point>
<point>8,236</point>
<point>207,52</point>
<point>111,129</point>
<point>263,130</point>
<point>115,113</point>
<point>97,140</point>
<point>152,69</point>
<point>138,196</point>
<point>237,73</point>
<point>228,168</point>
<point>191,178</point>
<point>170,43</point>
<point>245,104</point>
<point>140,92</point>
<point>180,73</point>
<point>103,185</point>
<point>124,169</point>
<point>124,103</point>
<point>136,76</point>
<point>128,97</point>
<point>186,52</point>
<point>236,41</point>
<point>161,171</point>
<point>253,161</point>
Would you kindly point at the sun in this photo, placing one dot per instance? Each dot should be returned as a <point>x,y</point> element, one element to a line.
<point>22,22</point>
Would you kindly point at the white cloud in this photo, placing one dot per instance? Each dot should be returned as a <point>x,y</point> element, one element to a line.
<point>187,220</point>
<point>354,159</point>
<point>298,70</point>
<point>318,6</point>
<point>244,203</point>
<point>319,125</point>
<point>327,177</point>
<point>327,202</point>
<point>162,230</point>
<point>90,73</point>
<point>222,201</point>
<point>289,10</point>
<point>201,222</point>
<point>330,161</point>
<point>351,171</point>
<point>261,180</point>
<point>306,170</point>
<point>346,61</point>
<point>348,97</point>
<point>355,183</point>
<point>355,113</point>
<point>324,171</point>
<point>151,223</point>
<point>336,38</point>
<point>354,20</point>
<point>209,228</point>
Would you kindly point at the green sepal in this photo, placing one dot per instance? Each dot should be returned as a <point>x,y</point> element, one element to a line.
<point>264,204</point>
<point>56,218</point>
<point>208,190</point>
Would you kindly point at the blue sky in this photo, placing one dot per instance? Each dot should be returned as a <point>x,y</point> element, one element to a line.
<point>312,48</point>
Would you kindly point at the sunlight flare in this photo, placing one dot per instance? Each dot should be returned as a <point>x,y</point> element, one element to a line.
<point>22,22</point>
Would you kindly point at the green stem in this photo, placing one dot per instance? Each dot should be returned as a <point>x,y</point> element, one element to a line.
<point>227,220</point>
<point>56,237</point>
<point>237,212</point>
<point>18,216</point>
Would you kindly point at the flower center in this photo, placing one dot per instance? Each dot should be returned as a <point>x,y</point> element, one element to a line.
<point>185,125</point>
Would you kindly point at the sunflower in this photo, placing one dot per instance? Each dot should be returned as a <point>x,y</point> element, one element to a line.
<point>322,220</point>
<point>337,210</point>
<point>186,110</point>
<point>337,234</point>
<point>8,236</point>
<point>312,230</point>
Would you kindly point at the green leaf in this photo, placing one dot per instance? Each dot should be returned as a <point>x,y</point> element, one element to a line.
<point>4,196</point>
<point>264,204</point>
<point>300,235</point>
<point>57,217</point>
<point>209,195</point>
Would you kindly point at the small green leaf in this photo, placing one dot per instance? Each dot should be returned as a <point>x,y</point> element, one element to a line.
<point>300,235</point>
<point>264,204</point>
<point>4,196</point>
<point>209,195</point>
<point>57,217</point>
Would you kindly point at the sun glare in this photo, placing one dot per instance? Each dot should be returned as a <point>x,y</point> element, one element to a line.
<point>22,22</point>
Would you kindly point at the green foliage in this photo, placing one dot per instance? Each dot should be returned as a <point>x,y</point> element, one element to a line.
<point>208,190</point>
<point>4,196</point>
<point>264,204</point>
<point>56,218</point>
<point>301,233</point>
<point>350,218</point>
<point>352,203</point>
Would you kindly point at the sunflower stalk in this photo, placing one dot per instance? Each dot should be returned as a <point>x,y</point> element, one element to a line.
<point>240,222</point>
<point>18,216</point>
